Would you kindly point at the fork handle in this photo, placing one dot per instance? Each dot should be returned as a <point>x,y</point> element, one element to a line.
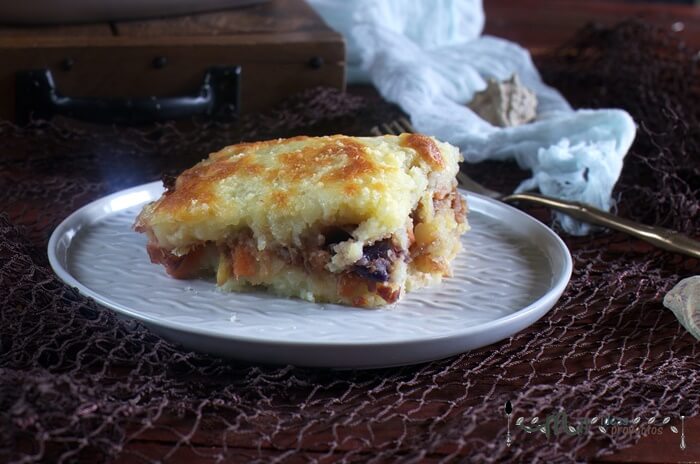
<point>663,238</point>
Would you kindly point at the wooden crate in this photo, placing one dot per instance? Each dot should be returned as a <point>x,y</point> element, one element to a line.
<point>282,47</point>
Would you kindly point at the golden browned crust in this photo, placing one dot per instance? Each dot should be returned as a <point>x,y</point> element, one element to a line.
<point>196,183</point>
<point>303,163</point>
<point>426,148</point>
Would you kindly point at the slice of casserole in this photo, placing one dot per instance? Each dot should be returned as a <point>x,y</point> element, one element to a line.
<point>351,220</point>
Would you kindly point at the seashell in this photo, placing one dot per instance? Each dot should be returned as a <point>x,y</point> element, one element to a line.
<point>684,301</point>
<point>505,103</point>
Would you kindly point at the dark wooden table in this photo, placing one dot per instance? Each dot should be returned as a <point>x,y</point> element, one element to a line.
<point>540,26</point>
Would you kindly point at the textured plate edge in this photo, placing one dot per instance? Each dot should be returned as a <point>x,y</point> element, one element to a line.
<point>526,315</point>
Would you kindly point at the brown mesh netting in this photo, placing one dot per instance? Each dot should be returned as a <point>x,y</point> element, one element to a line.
<point>77,382</point>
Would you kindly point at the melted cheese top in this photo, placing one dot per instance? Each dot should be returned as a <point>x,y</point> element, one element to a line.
<point>280,189</point>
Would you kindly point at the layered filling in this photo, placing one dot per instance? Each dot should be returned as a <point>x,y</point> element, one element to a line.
<point>413,257</point>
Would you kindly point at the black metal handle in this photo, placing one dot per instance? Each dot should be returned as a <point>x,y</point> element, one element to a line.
<point>37,97</point>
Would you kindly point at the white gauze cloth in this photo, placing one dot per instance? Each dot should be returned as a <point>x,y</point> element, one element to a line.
<point>430,58</point>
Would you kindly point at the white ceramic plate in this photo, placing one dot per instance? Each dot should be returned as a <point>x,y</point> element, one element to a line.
<point>512,270</point>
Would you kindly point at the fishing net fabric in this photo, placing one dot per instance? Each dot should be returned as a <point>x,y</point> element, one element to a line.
<point>77,382</point>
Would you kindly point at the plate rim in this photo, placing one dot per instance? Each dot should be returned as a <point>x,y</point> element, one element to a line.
<point>554,292</point>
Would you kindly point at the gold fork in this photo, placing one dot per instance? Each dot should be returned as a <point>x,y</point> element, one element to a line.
<point>666,239</point>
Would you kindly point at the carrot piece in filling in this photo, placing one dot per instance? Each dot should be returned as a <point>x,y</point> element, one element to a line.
<point>178,267</point>
<point>389,295</point>
<point>244,263</point>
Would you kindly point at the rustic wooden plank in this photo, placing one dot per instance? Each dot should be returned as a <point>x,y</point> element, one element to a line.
<point>75,30</point>
<point>274,17</point>
<point>291,39</point>
<point>83,11</point>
